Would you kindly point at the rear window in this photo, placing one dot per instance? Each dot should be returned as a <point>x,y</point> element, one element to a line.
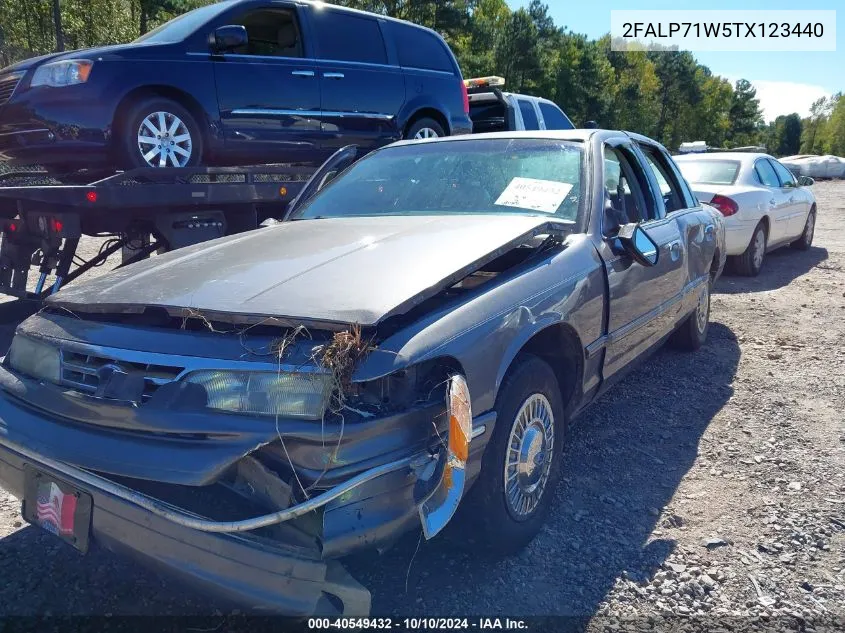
<point>529,116</point>
<point>421,49</point>
<point>709,172</point>
<point>345,37</point>
<point>488,117</point>
<point>554,118</point>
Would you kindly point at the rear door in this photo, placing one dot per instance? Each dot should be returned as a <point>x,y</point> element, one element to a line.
<point>799,202</point>
<point>642,299</point>
<point>530,119</point>
<point>779,205</point>
<point>553,117</point>
<point>362,92</point>
<point>268,92</point>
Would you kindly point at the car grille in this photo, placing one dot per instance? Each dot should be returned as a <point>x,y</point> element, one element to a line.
<point>8,83</point>
<point>82,372</point>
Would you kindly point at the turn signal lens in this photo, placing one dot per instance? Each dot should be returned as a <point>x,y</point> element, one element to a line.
<point>460,418</point>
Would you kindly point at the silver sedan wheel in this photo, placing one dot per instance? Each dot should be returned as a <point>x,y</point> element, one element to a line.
<point>426,132</point>
<point>164,140</point>
<point>702,313</point>
<point>810,228</point>
<point>529,459</point>
<point>759,248</point>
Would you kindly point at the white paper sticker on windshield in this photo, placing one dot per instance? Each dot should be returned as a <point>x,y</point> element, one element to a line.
<point>533,194</point>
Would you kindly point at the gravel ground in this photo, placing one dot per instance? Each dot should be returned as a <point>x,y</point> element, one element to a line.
<point>709,485</point>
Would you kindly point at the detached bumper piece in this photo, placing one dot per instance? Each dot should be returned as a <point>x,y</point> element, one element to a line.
<point>234,558</point>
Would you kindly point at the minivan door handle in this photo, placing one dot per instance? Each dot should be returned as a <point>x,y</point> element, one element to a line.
<point>302,73</point>
<point>333,75</point>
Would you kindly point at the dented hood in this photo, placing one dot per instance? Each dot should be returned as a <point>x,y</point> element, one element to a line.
<point>338,270</point>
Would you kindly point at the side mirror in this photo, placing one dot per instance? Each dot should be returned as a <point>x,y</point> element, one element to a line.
<point>227,38</point>
<point>805,181</point>
<point>638,244</point>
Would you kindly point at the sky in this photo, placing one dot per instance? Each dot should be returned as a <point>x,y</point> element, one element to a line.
<point>786,82</point>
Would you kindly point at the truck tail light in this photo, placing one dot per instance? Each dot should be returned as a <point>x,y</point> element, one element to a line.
<point>13,227</point>
<point>727,207</point>
<point>465,96</point>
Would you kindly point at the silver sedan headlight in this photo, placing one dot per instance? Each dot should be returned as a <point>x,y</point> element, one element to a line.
<point>271,393</point>
<point>35,358</point>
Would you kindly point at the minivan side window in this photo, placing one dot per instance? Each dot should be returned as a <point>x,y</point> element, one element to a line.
<point>529,116</point>
<point>271,32</point>
<point>345,37</point>
<point>554,118</point>
<point>418,48</point>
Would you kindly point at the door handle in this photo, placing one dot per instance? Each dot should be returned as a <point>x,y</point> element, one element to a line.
<point>675,250</point>
<point>708,231</point>
<point>302,73</point>
<point>333,75</point>
<point>773,202</point>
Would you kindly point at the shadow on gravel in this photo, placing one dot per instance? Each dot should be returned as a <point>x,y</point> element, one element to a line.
<point>780,268</point>
<point>624,459</point>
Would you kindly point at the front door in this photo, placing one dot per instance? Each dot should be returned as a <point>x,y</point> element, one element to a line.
<point>643,300</point>
<point>269,92</point>
<point>361,92</point>
<point>779,203</point>
<point>799,204</point>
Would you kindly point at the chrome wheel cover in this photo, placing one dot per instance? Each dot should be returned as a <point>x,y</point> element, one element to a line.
<point>164,140</point>
<point>426,132</point>
<point>529,456</point>
<point>759,248</point>
<point>702,312</point>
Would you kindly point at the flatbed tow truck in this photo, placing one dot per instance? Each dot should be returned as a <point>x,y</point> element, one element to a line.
<point>142,211</point>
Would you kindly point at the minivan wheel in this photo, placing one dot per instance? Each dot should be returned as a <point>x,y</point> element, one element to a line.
<point>520,469</point>
<point>160,132</point>
<point>425,128</point>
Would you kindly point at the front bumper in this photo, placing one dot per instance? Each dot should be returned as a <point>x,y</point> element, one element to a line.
<point>266,576</point>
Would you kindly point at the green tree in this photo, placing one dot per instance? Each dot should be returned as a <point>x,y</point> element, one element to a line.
<point>745,115</point>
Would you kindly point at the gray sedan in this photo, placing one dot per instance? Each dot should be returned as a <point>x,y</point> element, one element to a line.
<point>412,341</point>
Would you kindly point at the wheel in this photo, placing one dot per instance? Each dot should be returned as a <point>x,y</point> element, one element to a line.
<point>693,332</point>
<point>804,242</point>
<point>520,468</point>
<point>751,261</point>
<point>159,132</point>
<point>425,128</point>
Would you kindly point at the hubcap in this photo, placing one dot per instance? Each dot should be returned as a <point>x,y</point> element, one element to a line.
<point>759,248</point>
<point>164,140</point>
<point>810,228</point>
<point>702,314</point>
<point>426,132</point>
<point>529,458</point>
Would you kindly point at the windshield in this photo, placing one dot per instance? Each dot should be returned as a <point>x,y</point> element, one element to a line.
<point>709,172</point>
<point>490,176</point>
<point>179,28</point>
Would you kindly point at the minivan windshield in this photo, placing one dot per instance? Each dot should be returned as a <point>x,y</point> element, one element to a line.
<point>181,27</point>
<point>488,176</point>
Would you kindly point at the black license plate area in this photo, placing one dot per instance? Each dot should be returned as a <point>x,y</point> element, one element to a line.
<point>58,507</point>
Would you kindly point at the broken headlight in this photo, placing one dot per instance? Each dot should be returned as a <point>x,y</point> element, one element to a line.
<point>283,394</point>
<point>34,358</point>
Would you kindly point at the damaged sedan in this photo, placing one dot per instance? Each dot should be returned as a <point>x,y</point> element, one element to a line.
<point>410,343</point>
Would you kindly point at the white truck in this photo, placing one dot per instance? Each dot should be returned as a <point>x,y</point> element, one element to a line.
<point>493,110</point>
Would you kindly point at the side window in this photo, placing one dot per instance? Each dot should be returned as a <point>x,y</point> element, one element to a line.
<point>529,116</point>
<point>345,37</point>
<point>766,173</point>
<point>271,32</point>
<point>418,48</point>
<point>785,176</point>
<point>670,189</point>
<point>623,196</point>
<point>554,118</point>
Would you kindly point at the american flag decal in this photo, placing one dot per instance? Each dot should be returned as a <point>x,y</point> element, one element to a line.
<point>54,509</point>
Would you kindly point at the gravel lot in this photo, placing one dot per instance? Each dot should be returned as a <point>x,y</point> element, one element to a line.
<point>708,485</point>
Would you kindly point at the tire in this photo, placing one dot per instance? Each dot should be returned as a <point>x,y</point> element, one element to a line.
<point>693,332</point>
<point>499,527</point>
<point>751,261</point>
<point>804,242</point>
<point>130,146</point>
<point>425,126</point>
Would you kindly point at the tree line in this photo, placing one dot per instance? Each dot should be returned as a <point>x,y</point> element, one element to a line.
<point>667,95</point>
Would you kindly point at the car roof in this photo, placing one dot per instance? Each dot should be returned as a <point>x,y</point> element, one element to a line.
<point>742,157</point>
<point>581,135</point>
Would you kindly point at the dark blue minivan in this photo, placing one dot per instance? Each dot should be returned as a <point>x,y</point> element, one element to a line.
<point>239,81</point>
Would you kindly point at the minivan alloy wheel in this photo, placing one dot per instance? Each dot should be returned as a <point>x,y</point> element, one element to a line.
<point>529,458</point>
<point>426,132</point>
<point>164,140</point>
